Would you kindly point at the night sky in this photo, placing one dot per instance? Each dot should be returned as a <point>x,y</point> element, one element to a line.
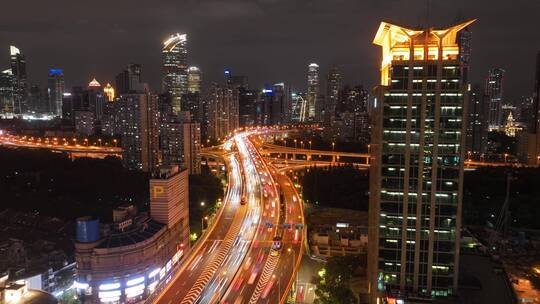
<point>267,40</point>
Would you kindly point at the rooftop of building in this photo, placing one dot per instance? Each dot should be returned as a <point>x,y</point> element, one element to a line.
<point>166,172</point>
<point>144,228</point>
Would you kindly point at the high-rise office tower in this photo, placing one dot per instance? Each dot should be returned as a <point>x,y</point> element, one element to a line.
<point>533,137</point>
<point>417,153</point>
<point>333,89</point>
<point>194,79</point>
<point>129,80</point>
<point>281,104</point>
<point>20,82</point>
<point>235,81</point>
<point>55,91</point>
<point>222,111</point>
<point>313,91</point>
<point>138,124</point>
<point>192,146</point>
<point>247,107</point>
<point>171,133</point>
<point>7,102</point>
<point>36,101</point>
<point>476,124</point>
<point>264,107</point>
<point>175,69</point>
<point>96,99</point>
<point>299,107</point>
<point>493,97</point>
<point>536,96</point>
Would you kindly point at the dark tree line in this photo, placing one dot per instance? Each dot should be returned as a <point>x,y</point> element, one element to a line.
<point>336,187</point>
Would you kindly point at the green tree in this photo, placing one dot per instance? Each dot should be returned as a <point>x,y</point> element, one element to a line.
<point>335,278</point>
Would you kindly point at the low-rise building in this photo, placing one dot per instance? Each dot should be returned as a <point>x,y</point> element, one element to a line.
<point>125,261</point>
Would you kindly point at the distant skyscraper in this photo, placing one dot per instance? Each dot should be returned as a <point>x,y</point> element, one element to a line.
<point>247,107</point>
<point>313,91</point>
<point>476,123</point>
<point>416,175</point>
<point>222,111</point>
<point>138,120</point>
<point>95,98</point>
<point>36,100</point>
<point>533,138</point>
<point>333,89</point>
<point>55,91</point>
<point>20,82</point>
<point>109,92</point>
<point>194,79</point>
<point>192,146</point>
<point>281,104</point>
<point>299,107</point>
<point>175,69</point>
<point>7,102</point>
<point>536,96</point>
<point>192,100</point>
<point>235,81</point>
<point>129,80</point>
<point>171,140</point>
<point>84,123</point>
<point>493,95</point>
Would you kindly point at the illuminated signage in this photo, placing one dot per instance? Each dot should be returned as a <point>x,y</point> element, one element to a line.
<point>109,286</point>
<point>157,191</point>
<point>135,281</point>
<point>79,285</point>
<point>109,294</point>
<point>134,291</point>
<point>56,72</point>
<point>153,273</point>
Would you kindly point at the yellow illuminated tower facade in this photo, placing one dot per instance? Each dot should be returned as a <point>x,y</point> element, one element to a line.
<point>416,176</point>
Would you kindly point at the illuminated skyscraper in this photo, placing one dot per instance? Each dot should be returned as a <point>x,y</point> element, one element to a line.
<point>313,90</point>
<point>7,102</point>
<point>416,176</point>
<point>493,95</point>
<point>194,79</point>
<point>191,135</point>
<point>20,82</point>
<point>138,119</point>
<point>109,92</point>
<point>299,107</point>
<point>55,91</point>
<point>175,69</point>
<point>222,111</point>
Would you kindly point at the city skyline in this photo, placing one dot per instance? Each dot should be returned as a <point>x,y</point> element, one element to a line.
<point>215,28</point>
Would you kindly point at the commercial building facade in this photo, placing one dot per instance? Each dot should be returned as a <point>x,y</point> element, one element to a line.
<point>416,178</point>
<point>175,69</point>
<point>137,252</point>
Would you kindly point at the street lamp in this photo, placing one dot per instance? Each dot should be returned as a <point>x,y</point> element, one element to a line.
<point>333,145</point>
<point>310,144</point>
<point>202,204</point>
<point>202,222</point>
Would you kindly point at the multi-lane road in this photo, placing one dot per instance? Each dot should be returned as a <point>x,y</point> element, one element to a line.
<point>239,260</point>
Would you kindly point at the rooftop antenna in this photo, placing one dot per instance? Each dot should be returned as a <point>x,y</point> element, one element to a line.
<point>427,14</point>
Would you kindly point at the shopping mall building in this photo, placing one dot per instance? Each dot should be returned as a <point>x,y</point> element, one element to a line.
<point>124,262</point>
